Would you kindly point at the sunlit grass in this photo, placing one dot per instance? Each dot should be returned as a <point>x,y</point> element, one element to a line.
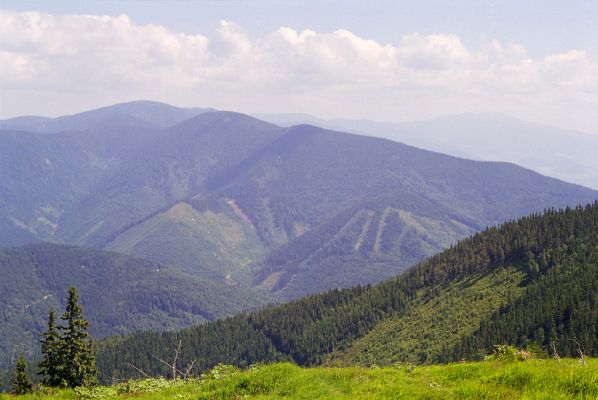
<point>531,379</point>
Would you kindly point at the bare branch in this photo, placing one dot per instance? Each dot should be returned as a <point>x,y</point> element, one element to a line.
<point>554,352</point>
<point>176,356</point>
<point>582,356</point>
<point>169,365</point>
<point>138,370</point>
<point>173,365</point>
<point>188,370</point>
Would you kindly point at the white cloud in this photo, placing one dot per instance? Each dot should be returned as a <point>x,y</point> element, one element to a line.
<point>75,58</point>
<point>435,52</point>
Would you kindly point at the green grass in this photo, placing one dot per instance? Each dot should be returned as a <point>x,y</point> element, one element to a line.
<point>531,379</point>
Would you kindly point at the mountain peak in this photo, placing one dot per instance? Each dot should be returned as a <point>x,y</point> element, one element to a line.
<point>222,118</point>
<point>138,113</point>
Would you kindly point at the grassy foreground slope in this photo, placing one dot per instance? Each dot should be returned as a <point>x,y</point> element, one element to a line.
<point>531,379</point>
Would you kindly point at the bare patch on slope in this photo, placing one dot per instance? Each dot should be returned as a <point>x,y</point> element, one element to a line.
<point>239,212</point>
<point>364,230</point>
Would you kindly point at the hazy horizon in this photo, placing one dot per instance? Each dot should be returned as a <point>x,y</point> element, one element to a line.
<point>288,116</point>
<point>389,61</point>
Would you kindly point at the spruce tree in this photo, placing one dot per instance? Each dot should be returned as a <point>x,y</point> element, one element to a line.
<point>21,384</point>
<point>78,362</point>
<point>51,365</point>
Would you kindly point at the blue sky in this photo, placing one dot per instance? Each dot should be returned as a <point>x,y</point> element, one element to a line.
<point>542,26</point>
<point>415,59</point>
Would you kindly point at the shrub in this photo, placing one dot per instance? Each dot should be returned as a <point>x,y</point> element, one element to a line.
<point>505,352</point>
<point>135,387</point>
<point>220,371</point>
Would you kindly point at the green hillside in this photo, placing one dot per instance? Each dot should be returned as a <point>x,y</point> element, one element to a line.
<point>38,182</point>
<point>119,294</point>
<point>531,280</point>
<point>439,318</point>
<point>204,243</point>
<point>336,210</point>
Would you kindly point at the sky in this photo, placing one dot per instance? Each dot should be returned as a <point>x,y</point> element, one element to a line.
<point>381,60</point>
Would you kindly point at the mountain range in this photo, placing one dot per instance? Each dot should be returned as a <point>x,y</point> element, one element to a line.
<point>241,209</point>
<point>228,197</point>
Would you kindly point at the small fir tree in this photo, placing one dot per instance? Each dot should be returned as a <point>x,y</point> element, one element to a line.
<point>50,366</point>
<point>21,384</point>
<point>78,362</point>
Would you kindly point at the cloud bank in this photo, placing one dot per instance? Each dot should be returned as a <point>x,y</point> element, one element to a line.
<point>55,64</point>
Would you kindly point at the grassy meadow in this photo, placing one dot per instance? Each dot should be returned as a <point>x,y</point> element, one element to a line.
<point>530,379</point>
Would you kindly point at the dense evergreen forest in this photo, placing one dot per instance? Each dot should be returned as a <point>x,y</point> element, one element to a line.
<point>120,294</point>
<point>553,255</point>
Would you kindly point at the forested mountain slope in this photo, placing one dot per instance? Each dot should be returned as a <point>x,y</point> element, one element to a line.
<point>119,294</point>
<point>314,209</point>
<point>346,209</point>
<point>534,279</point>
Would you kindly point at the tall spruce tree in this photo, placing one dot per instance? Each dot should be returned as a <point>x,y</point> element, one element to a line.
<point>51,365</point>
<point>78,361</point>
<point>21,384</point>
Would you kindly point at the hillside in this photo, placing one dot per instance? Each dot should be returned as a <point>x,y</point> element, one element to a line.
<point>119,294</point>
<point>530,280</point>
<point>315,209</point>
<point>341,209</point>
<point>236,200</point>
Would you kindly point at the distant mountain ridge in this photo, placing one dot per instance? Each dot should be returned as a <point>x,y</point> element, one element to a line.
<point>560,153</point>
<point>142,113</point>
